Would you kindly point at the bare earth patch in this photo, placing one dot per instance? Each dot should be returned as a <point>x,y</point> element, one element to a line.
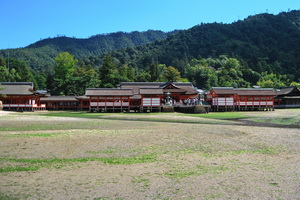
<point>74,158</point>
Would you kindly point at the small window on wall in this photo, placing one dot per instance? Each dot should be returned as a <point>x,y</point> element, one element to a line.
<point>256,98</point>
<point>94,99</point>
<point>125,100</point>
<point>110,99</point>
<point>101,100</point>
<point>250,99</point>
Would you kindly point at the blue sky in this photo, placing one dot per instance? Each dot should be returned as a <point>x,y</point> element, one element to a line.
<point>24,22</point>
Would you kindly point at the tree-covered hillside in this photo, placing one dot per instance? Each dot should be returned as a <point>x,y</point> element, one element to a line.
<point>263,42</point>
<point>40,55</point>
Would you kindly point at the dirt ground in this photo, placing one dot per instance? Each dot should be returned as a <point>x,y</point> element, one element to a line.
<point>44,157</point>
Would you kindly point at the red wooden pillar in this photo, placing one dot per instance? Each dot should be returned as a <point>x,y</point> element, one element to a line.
<point>225,103</point>
<point>30,104</point>
<point>90,105</point>
<point>39,103</point>
<point>121,101</point>
<point>113,100</point>
<point>151,98</point>
<point>128,99</point>
<point>10,104</point>
<point>18,103</point>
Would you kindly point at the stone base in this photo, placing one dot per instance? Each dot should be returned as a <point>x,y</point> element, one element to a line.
<point>193,109</point>
<point>201,109</point>
<point>168,109</point>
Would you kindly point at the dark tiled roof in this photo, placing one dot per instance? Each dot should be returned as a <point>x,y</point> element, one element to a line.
<point>82,97</point>
<point>174,90</point>
<point>188,88</point>
<point>180,84</point>
<point>151,91</point>
<point>255,91</point>
<point>224,90</point>
<point>136,88</point>
<point>181,87</point>
<point>154,84</point>
<point>108,92</point>
<point>292,91</point>
<point>17,88</point>
<point>59,98</point>
<point>169,84</point>
<point>244,91</point>
<point>284,91</point>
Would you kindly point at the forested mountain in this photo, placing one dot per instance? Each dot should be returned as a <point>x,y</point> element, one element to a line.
<point>263,42</point>
<point>41,54</point>
<point>263,49</point>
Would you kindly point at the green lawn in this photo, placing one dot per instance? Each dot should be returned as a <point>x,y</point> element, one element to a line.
<point>82,114</point>
<point>211,118</point>
<point>282,121</point>
<point>154,117</point>
<point>221,115</point>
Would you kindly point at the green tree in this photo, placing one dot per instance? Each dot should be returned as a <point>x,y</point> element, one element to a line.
<point>65,65</point>
<point>153,72</point>
<point>296,84</point>
<point>22,73</point>
<point>127,73</point>
<point>201,75</point>
<point>172,74</point>
<point>271,80</point>
<point>231,75</point>
<point>18,71</point>
<point>4,74</point>
<point>109,76</point>
<point>157,72</point>
<point>143,76</point>
<point>41,81</point>
<point>84,76</point>
<point>63,73</point>
<point>221,71</point>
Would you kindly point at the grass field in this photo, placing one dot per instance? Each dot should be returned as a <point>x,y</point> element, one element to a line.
<point>78,155</point>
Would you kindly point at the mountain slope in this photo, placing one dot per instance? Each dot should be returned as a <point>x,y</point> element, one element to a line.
<point>40,55</point>
<point>265,42</point>
<point>99,44</point>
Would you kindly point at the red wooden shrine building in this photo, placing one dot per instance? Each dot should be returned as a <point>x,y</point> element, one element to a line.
<point>229,98</point>
<point>147,96</point>
<point>60,102</point>
<point>139,96</point>
<point>20,96</point>
<point>66,102</point>
<point>107,99</point>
